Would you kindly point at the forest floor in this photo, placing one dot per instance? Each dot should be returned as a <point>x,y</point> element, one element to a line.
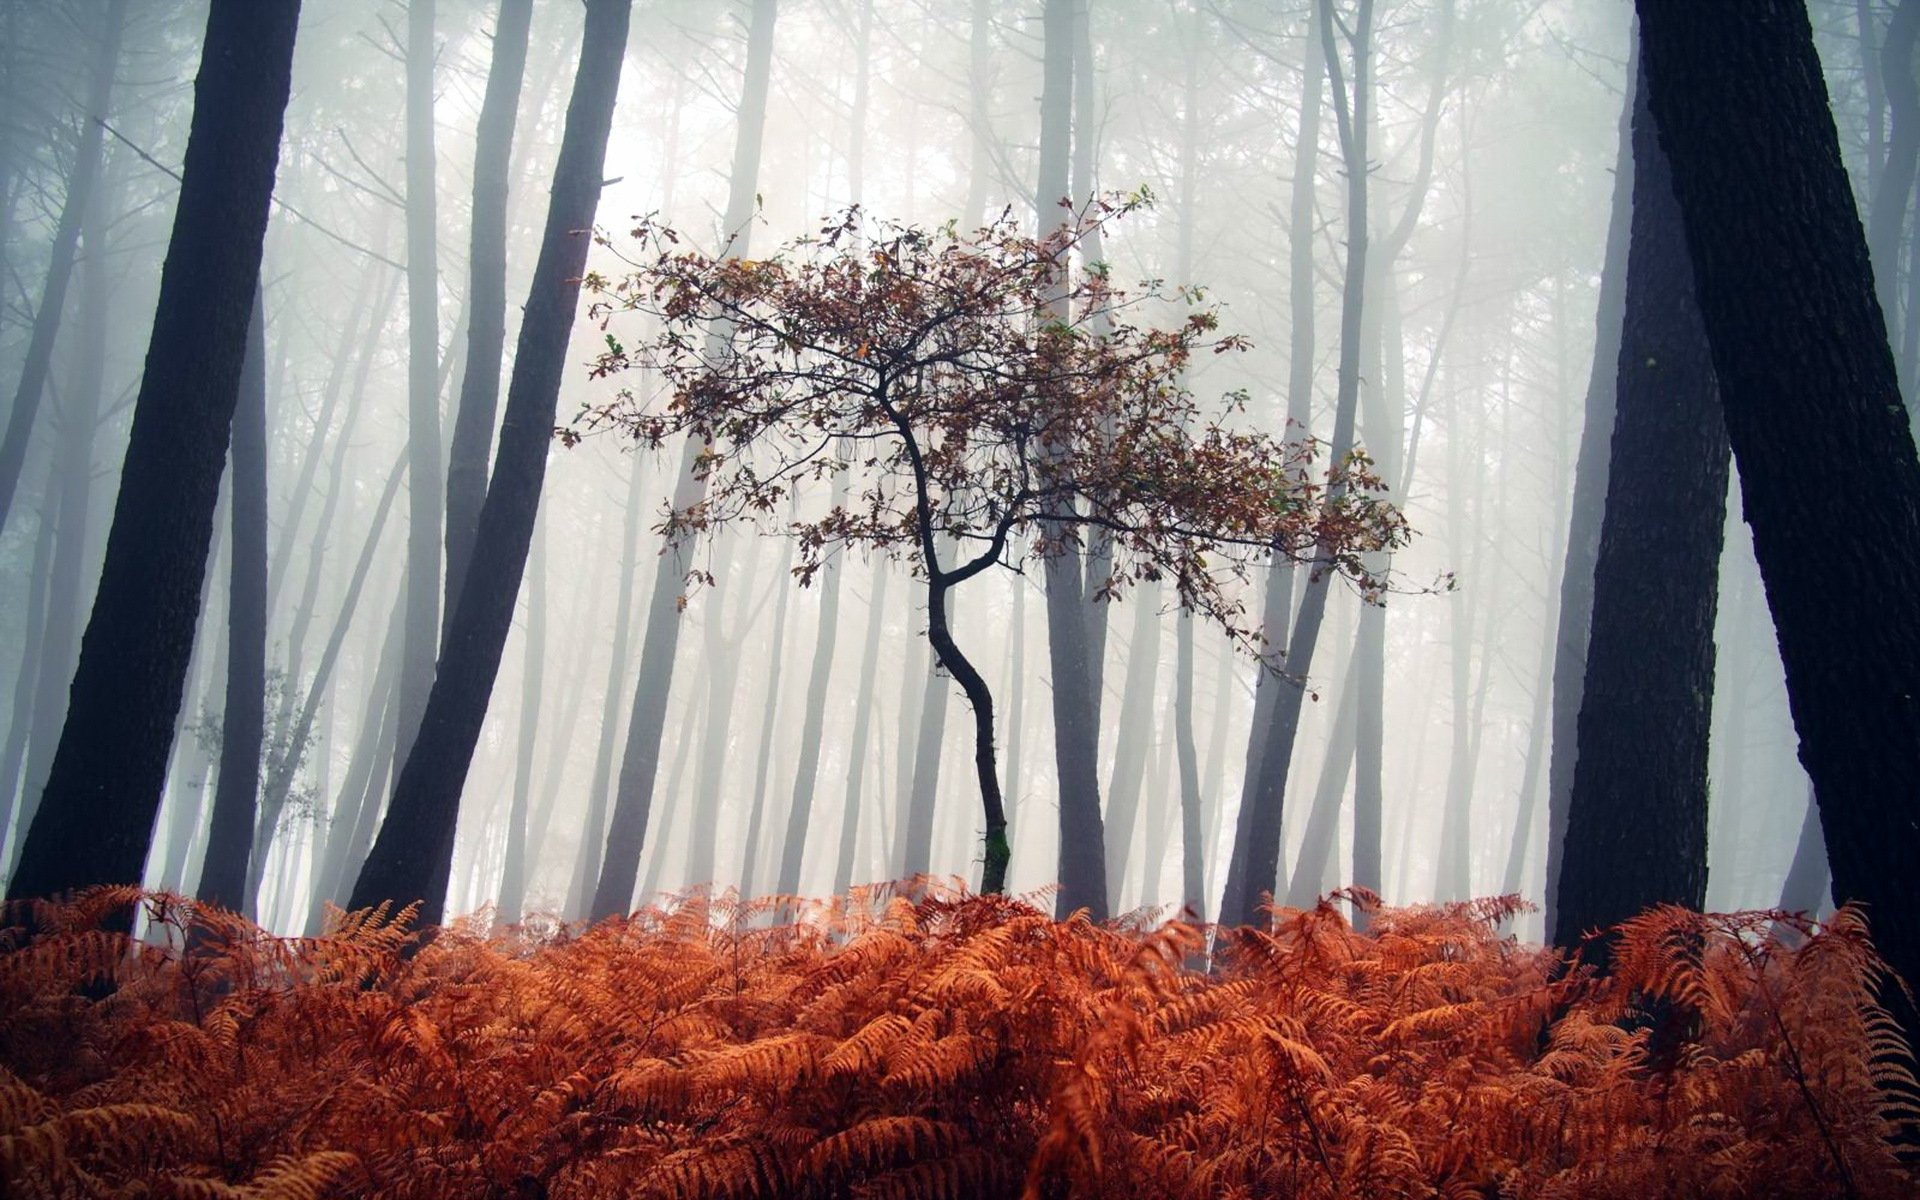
<point>924,1043</point>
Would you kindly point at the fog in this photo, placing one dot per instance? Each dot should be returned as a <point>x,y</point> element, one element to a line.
<point>1493,144</point>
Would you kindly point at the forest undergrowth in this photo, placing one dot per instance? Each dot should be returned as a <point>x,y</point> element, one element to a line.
<point>920,1042</point>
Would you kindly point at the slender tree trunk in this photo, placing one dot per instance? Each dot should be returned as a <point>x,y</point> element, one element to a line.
<point>1317,841</point>
<point>35,666</point>
<point>243,723</point>
<point>593,834</point>
<point>281,772</point>
<point>1277,605</point>
<point>1588,504</point>
<point>66,240</point>
<point>993,877</point>
<point>1256,868</point>
<point>1637,816</point>
<point>95,822</point>
<point>413,855</point>
<point>813,726</point>
<point>1135,739</point>
<point>769,732</point>
<point>357,810</point>
<point>425,481</point>
<point>641,761</point>
<point>1076,713</point>
<point>857,752</point>
<point>486,294</point>
<point>915,855</point>
<point>513,872</point>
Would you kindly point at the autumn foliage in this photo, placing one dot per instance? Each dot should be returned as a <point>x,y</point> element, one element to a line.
<point>942,1046</point>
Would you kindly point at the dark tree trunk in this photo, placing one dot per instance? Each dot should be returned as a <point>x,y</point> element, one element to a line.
<point>640,762</point>
<point>1637,819</point>
<point>413,855</point>
<point>66,239</point>
<point>95,822</point>
<point>236,798</point>
<point>1829,479</point>
<point>486,291</point>
<point>1805,888</point>
<point>1588,505</point>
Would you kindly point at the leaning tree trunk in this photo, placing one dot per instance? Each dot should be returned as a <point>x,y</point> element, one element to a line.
<point>95,822</point>
<point>513,870</point>
<point>412,858</point>
<point>1587,505</point>
<point>66,238</point>
<point>640,762</point>
<point>236,799</point>
<point>486,291</point>
<point>1828,475</point>
<point>1637,817</point>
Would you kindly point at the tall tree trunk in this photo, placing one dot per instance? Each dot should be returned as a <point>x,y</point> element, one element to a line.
<point>1805,888</point>
<point>1255,866</point>
<point>813,725</point>
<point>915,855</point>
<point>66,239</point>
<point>486,292</point>
<point>1588,503</point>
<point>769,716</point>
<point>640,762</point>
<point>857,752</point>
<point>1277,605</point>
<point>356,811</point>
<point>95,822</point>
<point>1135,739</point>
<point>1317,840</point>
<point>424,467</point>
<point>62,551</point>
<point>1076,712</point>
<point>1637,817</point>
<point>243,723</point>
<point>1828,473</point>
<point>281,772</point>
<point>513,872</point>
<point>413,856</point>
<point>593,833</point>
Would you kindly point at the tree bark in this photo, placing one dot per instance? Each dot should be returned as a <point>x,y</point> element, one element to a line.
<point>1588,503</point>
<point>412,858</point>
<point>1637,817</point>
<point>1828,471</point>
<point>513,872</point>
<point>95,822</point>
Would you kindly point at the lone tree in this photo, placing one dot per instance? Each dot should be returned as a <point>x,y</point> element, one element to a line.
<point>982,422</point>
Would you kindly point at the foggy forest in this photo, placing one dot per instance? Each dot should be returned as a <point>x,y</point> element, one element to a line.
<point>959,598</point>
